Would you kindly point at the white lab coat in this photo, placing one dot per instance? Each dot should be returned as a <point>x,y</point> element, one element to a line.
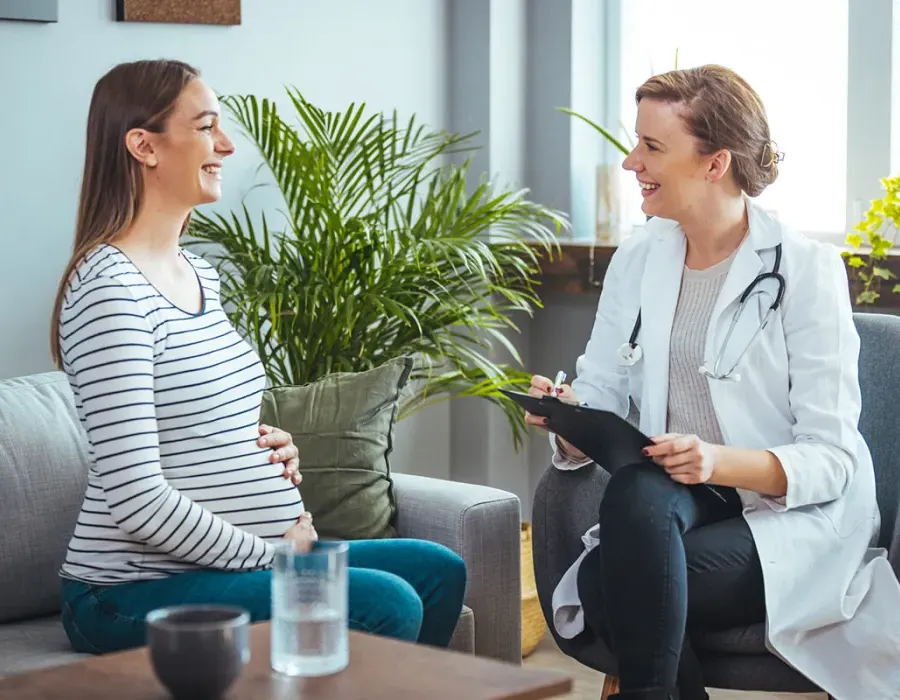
<point>833,602</point>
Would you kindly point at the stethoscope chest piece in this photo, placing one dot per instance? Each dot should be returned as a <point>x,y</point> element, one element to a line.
<point>629,354</point>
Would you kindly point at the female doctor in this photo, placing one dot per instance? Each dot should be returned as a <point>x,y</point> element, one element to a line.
<point>735,339</point>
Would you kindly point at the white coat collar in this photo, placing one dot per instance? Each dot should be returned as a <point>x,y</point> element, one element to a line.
<point>660,287</point>
<point>764,233</point>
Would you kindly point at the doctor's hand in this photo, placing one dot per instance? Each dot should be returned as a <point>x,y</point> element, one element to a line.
<point>542,386</point>
<point>686,458</point>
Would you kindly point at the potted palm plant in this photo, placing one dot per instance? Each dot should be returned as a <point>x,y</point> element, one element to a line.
<point>385,248</point>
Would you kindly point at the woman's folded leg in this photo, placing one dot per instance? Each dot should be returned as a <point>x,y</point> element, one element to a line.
<point>434,572</point>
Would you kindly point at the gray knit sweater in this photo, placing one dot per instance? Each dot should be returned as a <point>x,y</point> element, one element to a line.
<point>690,407</point>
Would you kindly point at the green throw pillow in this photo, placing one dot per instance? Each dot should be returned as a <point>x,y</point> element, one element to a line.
<point>343,426</point>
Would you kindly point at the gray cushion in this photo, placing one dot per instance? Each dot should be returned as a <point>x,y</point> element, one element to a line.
<point>40,643</point>
<point>43,470</point>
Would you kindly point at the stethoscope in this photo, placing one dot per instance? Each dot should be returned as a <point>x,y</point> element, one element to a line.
<point>630,353</point>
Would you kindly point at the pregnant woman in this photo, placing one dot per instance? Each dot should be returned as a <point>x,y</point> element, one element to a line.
<point>185,497</point>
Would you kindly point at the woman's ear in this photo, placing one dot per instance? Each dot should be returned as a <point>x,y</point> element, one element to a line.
<point>718,165</point>
<point>139,143</point>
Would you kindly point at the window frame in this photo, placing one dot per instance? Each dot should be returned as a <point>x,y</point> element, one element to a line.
<point>873,80</point>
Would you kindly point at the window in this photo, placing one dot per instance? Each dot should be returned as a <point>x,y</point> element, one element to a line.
<point>795,55</point>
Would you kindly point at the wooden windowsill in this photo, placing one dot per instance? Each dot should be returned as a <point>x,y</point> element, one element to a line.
<point>579,268</point>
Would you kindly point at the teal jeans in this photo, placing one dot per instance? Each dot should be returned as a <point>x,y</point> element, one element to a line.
<point>407,589</point>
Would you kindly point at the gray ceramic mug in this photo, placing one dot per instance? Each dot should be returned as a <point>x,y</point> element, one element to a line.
<point>198,651</point>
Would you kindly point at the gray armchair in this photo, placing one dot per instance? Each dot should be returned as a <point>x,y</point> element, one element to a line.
<point>482,525</point>
<point>566,504</point>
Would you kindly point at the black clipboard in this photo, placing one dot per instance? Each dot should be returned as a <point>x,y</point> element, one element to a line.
<point>609,440</point>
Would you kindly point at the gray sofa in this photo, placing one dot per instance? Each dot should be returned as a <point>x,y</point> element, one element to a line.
<point>43,470</point>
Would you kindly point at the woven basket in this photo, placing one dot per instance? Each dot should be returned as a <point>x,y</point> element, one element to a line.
<point>533,624</point>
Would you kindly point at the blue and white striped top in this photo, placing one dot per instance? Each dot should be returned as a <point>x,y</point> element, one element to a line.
<point>170,403</point>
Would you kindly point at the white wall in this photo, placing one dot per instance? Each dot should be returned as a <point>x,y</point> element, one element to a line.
<point>387,54</point>
<point>499,67</point>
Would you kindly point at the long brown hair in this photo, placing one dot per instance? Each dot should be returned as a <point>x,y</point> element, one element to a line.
<point>723,112</point>
<point>136,95</point>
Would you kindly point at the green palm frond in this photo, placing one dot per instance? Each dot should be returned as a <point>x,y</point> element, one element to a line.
<point>385,247</point>
<point>603,131</point>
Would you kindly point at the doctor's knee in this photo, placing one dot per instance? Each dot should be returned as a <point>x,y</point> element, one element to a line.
<point>636,492</point>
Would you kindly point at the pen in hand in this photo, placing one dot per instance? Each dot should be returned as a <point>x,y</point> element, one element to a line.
<point>557,384</point>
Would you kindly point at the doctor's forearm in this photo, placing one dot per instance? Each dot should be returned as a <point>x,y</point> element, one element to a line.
<point>751,470</point>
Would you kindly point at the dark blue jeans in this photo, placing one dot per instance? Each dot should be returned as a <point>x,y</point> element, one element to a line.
<point>406,589</point>
<point>671,559</point>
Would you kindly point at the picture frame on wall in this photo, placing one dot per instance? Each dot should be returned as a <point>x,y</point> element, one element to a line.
<point>29,10</point>
<point>223,12</point>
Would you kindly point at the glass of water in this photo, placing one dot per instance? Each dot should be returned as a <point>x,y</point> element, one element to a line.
<point>309,609</point>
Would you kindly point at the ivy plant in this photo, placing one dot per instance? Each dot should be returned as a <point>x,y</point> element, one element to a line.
<point>880,221</point>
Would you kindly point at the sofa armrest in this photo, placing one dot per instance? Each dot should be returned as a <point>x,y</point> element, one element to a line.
<point>482,525</point>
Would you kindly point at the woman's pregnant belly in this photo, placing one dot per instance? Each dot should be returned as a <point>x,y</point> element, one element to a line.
<point>232,476</point>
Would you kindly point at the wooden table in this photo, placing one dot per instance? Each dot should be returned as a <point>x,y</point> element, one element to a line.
<point>379,668</point>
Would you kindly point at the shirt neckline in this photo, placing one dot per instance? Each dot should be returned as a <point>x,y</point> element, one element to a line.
<point>716,270</point>
<point>203,300</point>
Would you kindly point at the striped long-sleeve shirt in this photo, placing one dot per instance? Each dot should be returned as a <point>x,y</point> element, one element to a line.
<point>170,404</point>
